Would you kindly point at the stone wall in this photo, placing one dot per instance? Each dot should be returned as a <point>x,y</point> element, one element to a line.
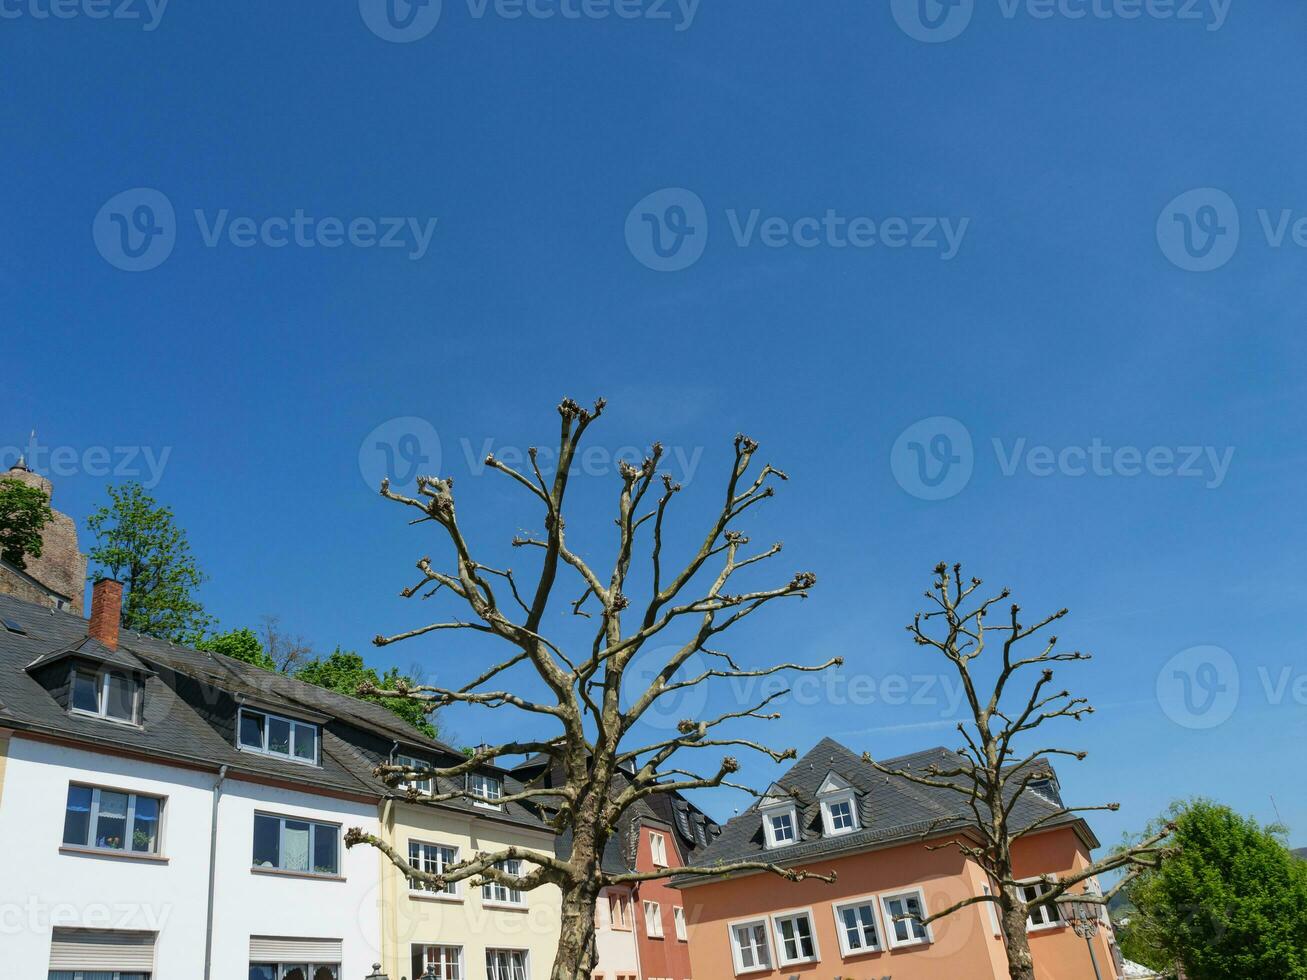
<point>61,567</point>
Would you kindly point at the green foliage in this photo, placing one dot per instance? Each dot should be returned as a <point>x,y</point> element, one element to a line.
<point>1231,903</point>
<point>344,671</point>
<point>24,513</point>
<point>239,644</point>
<point>138,542</point>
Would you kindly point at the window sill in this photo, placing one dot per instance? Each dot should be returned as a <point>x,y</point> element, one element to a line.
<point>110,853</point>
<point>1046,927</point>
<point>506,906</point>
<point>810,961</point>
<point>96,716</point>
<point>283,873</point>
<point>850,954</point>
<point>913,944</point>
<point>310,763</point>
<point>426,896</point>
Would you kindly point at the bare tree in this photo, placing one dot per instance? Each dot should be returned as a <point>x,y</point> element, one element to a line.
<point>588,707</point>
<point>288,651</point>
<point>996,769</point>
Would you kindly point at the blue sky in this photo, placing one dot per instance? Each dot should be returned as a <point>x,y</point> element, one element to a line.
<point>1067,318</point>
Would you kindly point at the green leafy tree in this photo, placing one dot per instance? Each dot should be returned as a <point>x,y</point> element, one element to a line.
<point>239,644</point>
<point>1231,903</point>
<point>138,542</point>
<point>345,673</point>
<point>24,513</point>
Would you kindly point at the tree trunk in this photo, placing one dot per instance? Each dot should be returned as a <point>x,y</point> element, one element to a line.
<point>1016,940</point>
<point>576,940</point>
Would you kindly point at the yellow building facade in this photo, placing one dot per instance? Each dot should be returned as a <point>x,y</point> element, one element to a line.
<point>472,931</point>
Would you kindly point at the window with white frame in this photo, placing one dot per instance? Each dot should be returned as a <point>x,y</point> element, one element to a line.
<point>97,975</point>
<point>678,920</point>
<point>903,915</point>
<point>107,694</point>
<point>653,920</point>
<point>856,924</point>
<point>658,844</point>
<point>291,844</point>
<point>270,734</point>
<point>433,859</point>
<point>422,786</point>
<point>446,961</point>
<point>284,971</point>
<point>619,908</point>
<point>501,894</point>
<point>1041,915</point>
<point>488,788</point>
<point>506,964</point>
<point>750,946</point>
<point>993,911</point>
<point>111,820</point>
<point>780,825</point>
<point>839,814</point>
<point>795,939</point>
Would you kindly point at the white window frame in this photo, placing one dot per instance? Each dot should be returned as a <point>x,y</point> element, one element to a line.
<point>295,725</point>
<point>653,920</point>
<point>444,948</point>
<point>450,892</point>
<point>526,962</point>
<point>285,967</point>
<point>477,782</point>
<point>736,959</point>
<point>101,711</point>
<point>891,934</point>
<point>658,847</point>
<point>777,812</point>
<point>993,912</point>
<point>422,786</point>
<point>840,929</point>
<point>782,959</point>
<point>1042,886</point>
<point>828,818</point>
<point>129,821</point>
<point>496,895</point>
<point>678,921</point>
<point>314,826</point>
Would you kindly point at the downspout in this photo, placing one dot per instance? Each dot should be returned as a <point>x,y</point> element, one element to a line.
<point>213,872</point>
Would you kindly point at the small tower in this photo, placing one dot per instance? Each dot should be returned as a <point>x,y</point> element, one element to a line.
<point>58,578</point>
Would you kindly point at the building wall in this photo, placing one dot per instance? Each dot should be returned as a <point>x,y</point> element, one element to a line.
<point>614,943</point>
<point>41,888</point>
<point>667,957</point>
<point>248,903</point>
<point>464,921</point>
<point>964,945</point>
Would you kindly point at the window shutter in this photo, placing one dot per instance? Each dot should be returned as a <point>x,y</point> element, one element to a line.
<point>279,949</point>
<point>93,949</point>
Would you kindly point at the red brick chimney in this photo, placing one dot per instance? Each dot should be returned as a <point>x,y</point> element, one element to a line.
<point>106,611</point>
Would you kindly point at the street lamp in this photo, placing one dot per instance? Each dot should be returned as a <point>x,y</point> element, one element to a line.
<point>1084,920</point>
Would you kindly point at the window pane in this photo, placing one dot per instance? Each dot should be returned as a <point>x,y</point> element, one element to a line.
<point>121,697</point>
<point>324,973</point>
<point>251,730</point>
<point>86,692</point>
<point>279,736</point>
<point>77,818</point>
<point>263,971</point>
<point>306,742</point>
<point>112,826</point>
<point>295,973</point>
<point>267,834</point>
<point>295,846</point>
<point>324,849</point>
<point>145,831</point>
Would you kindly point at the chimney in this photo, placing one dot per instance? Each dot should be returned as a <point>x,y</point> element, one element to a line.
<point>106,611</point>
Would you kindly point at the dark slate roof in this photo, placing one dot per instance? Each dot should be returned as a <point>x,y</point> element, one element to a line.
<point>890,809</point>
<point>185,693</point>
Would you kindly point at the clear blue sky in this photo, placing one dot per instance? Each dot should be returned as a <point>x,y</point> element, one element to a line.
<point>1060,319</point>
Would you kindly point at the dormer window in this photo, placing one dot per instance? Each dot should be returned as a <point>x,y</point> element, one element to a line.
<point>488,789</point>
<point>422,786</point>
<point>839,810</point>
<point>107,694</point>
<point>259,731</point>
<point>780,820</point>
